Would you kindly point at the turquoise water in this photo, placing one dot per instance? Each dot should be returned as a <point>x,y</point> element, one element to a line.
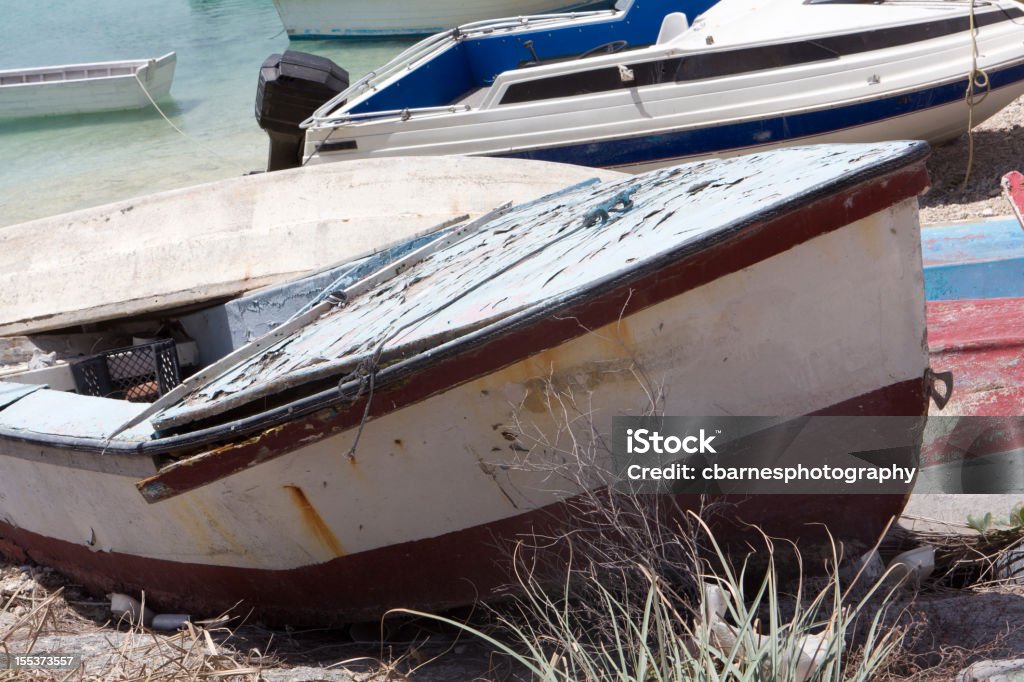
<point>57,164</point>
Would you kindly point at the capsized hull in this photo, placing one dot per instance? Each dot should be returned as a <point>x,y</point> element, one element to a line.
<point>974,282</point>
<point>308,218</point>
<point>974,260</point>
<point>463,450</point>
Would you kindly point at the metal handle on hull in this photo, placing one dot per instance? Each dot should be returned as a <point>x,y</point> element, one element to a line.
<point>941,398</point>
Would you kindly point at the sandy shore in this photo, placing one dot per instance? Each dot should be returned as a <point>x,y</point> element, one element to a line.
<point>998,149</point>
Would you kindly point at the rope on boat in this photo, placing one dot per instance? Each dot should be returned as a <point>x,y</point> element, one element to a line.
<point>155,105</point>
<point>977,78</point>
<point>366,372</point>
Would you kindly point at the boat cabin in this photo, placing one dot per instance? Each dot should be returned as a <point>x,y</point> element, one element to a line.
<point>456,67</point>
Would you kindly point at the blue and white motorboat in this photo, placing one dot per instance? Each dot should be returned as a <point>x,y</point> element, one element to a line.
<point>641,86</point>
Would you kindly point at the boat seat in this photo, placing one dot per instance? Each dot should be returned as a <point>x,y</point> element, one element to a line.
<point>672,26</point>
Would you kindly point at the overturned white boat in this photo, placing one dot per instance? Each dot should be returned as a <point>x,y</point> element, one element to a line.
<point>182,248</point>
<point>85,88</point>
<point>380,448</point>
<point>746,75</point>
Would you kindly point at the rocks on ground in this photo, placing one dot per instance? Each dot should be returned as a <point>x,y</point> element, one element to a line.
<point>998,149</point>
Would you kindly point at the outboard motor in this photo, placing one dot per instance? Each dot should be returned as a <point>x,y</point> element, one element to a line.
<point>292,86</point>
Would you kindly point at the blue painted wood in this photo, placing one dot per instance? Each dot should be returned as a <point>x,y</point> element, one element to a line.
<point>974,260</point>
<point>11,392</point>
<point>71,415</point>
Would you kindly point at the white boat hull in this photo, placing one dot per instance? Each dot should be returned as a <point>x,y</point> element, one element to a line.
<point>935,125</point>
<point>830,322</point>
<point>315,19</point>
<point>85,88</point>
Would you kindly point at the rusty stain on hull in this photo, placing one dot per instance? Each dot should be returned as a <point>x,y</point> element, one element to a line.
<point>314,521</point>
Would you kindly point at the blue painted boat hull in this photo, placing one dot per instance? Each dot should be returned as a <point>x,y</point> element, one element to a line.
<point>974,260</point>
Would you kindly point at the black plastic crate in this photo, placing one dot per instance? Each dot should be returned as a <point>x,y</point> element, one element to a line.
<point>140,373</point>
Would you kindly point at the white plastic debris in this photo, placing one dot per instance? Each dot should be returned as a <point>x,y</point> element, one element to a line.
<point>17,583</point>
<point>41,360</point>
<point>123,606</point>
<point>993,671</point>
<point>911,568</point>
<point>812,655</point>
<point>725,636</point>
<point>170,621</point>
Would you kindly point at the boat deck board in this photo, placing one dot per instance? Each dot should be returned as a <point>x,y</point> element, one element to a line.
<point>539,253</point>
<point>71,415</point>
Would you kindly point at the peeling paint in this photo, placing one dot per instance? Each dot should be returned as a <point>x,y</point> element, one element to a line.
<point>537,252</point>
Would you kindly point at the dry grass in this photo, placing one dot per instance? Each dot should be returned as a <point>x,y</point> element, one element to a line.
<point>39,614</point>
<point>967,559</point>
<point>637,575</point>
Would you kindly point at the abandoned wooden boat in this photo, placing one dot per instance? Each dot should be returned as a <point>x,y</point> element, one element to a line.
<point>975,443</point>
<point>382,447</point>
<point>746,75</point>
<point>974,283</point>
<point>199,244</point>
<point>85,88</point>
<point>319,19</point>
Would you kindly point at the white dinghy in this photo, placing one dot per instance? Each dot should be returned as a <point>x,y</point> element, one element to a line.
<point>746,75</point>
<point>85,88</point>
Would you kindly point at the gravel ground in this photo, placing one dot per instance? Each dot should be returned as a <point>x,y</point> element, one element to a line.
<point>43,613</point>
<point>998,149</point>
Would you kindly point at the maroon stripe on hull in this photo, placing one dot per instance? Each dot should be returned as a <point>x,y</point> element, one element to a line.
<point>754,244</point>
<point>446,571</point>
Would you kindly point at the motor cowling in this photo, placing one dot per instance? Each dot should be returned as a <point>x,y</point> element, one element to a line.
<point>292,86</point>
